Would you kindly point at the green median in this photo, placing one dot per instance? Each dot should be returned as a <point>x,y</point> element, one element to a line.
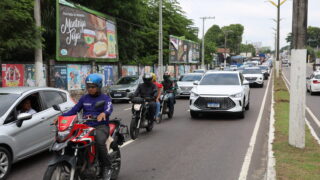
<point>292,163</point>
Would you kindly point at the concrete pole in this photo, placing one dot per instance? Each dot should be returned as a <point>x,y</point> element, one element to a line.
<point>298,75</point>
<point>202,50</point>
<point>38,51</point>
<point>278,41</point>
<point>160,60</point>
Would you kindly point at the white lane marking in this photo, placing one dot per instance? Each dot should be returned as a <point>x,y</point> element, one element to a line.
<point>127,109</point>
<point>127,143</point>
<point>313,132</point>
<point>247,159</point>
<point>271,172</point>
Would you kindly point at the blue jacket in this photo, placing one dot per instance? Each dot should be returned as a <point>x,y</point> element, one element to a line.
<point>87,103</point>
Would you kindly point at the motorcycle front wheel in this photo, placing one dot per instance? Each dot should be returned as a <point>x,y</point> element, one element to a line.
<point>59,171</point>
<point>134,130</point>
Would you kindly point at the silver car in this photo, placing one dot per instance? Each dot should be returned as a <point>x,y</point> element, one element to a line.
<point>124,87</point>
<point>23,135</point>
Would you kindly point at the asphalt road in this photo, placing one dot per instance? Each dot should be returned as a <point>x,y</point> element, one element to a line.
<point>212,147</point>
<point>312,102</point>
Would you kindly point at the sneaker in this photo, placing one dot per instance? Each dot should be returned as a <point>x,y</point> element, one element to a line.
<point>158,120</point>
<point>106,174</point>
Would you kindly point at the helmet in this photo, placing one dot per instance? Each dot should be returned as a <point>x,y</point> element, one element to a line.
<point>154,77</point>
<point>166,75</point>
<point>147,78</point>
<point>94,79</point>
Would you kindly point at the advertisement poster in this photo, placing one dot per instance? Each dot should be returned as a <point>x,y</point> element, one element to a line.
<point>193,67</point>
<point>176,71</point>
<point>181,70</point>
<point>84,72</point>
<point>141,70</point>
<point>74,79</point>
<point>183,51</point>
<point>60,76</point>
<point>29,74</point>
<point>187,69</point>
<point>82,35</point>
<point>170,69</point>
<point>12,75</point>
<point>129,70</point>
<point>115,73</point>
<point>148,69</point>
<point>108,75</point>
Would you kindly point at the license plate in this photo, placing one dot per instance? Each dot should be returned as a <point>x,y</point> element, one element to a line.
<point>117,95</point>
<point>185,93</point>
<point>213,105</point>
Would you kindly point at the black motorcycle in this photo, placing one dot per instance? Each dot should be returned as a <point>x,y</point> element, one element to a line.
<point>164,107</point>
<point>141,117</point>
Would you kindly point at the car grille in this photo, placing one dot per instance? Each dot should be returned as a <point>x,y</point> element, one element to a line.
<point>251,78</point>
<point>118,94</point>
<point>225,103</point>
<point>186,88</point>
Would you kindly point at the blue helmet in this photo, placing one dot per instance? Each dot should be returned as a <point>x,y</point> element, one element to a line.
<point>94,79</point>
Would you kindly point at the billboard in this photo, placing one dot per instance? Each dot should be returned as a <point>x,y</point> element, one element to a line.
<point>12,75</point>
<point>183,51</point>
<point>83,34</point>
<point>29,74</point>
<point>60,77</point>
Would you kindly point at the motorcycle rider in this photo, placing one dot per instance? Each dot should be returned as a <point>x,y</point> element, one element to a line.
<point>159,86</point>
<point>87,103</point>
<point>168,86</point>
<point>148,90</point>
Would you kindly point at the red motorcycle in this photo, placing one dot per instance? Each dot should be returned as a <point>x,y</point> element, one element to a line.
<point>75,151</point>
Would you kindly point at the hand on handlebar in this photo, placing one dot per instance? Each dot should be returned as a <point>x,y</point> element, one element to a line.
<point>101,117</point>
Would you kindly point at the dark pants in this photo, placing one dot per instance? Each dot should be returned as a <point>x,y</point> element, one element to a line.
<point>102,134</point>
<point>171,102</point>
<point>152,110</point>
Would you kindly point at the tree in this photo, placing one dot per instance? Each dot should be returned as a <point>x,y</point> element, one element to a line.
<point>234,37</point>
<point>313,37</point>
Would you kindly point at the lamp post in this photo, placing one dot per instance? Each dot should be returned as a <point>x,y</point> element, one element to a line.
<point>160,59</point>
<point>225,46</point>
<point>202,54</point>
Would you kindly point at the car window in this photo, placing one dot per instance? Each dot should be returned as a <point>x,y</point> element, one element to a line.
<point>220,79</point>
<point>251,71</point>
<point>317,76</point>
<point>127,80</point>
<point>6,100</point>
<point>52,98</point>
<point>189,78</point>
<point>241,78</point>
<point>64,96</point>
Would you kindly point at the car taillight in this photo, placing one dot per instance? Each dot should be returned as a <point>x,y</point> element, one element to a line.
<point>315,82</point>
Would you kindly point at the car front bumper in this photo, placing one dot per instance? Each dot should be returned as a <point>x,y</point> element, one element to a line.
<point>238,105</point>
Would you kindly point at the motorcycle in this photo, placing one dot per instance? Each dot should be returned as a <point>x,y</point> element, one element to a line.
<point>164,106</point>
<point>75,152</point>
<point>141,117</point>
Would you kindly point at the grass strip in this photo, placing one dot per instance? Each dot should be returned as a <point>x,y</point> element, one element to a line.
<point>292,163</point>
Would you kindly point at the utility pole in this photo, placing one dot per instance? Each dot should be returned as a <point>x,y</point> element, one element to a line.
<point>225,46</point>
<point>38,50</point>
<point>202,54</point>
<point>160,60</point>
<point>298,74</point>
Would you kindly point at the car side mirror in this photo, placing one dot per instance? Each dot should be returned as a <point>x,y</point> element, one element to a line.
<point>196,83</point>
<point>23,117</point>
<point>99,104</point>
<point>56,107</point>
<point>245,82</point>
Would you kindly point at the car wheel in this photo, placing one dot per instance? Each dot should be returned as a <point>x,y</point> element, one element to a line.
<point>5,162</point>
<point>248,105</point>
<point>261,86</point>
<point>311,92</point>
<point>194,114</point>
<point>307,89</point>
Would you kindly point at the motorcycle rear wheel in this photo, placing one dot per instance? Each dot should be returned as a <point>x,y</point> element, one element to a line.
<point>150,126</point>
<point>134,131</point>
<point>60,171</point>
<point>116,162</point>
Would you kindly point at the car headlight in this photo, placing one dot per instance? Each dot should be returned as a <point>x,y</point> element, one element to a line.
<point>238,95</point>
<point>194,95</point>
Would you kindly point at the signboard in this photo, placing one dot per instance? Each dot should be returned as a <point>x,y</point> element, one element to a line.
<point>83,34</point>
<point>74,79</point>
<point>108,75</point>
<point>60,76</point>
<point>183,51</point>
<point>12,75</point>
<point>29,74</point>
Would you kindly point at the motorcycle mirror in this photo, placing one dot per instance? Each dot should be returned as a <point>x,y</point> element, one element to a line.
<point>99,104</point>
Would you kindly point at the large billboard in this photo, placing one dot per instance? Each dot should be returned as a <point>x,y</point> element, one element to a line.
<point>84,34</point>
<point>183,51</point>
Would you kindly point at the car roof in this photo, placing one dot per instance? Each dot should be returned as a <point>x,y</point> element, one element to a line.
<point>222,72</point>
<point>193,74</point>
<point>251,68</point>
<point>21,90</point>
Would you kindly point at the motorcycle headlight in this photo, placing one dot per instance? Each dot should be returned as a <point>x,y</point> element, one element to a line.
<point>63,135</point>
<point>137,107</point>
<point>194,95</point>
<point>238,95</point>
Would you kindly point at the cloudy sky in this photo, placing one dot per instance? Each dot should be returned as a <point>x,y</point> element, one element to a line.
<point>255,15</point>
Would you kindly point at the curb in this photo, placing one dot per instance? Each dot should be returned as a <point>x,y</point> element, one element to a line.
<point>271,172</point>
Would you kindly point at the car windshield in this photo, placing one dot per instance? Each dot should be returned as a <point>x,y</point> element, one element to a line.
<point>6,100</point>
<point>190,78</point>
<point>251,71</point>
<point>127,80</point>
<point>198,71</point>
<point>220,79</point>
<point>264,67</point>
<point>317,76</point>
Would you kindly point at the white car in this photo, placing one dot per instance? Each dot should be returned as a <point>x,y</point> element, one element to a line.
<point>234,67</point>
<point>254,75</point>
<point>313,83</point>
<point>221,91</point>
<point>185,84</point>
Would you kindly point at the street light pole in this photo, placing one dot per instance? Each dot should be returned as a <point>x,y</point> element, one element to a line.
<point>160,59</point>
<point>202,51</point>
<point>225,46</point>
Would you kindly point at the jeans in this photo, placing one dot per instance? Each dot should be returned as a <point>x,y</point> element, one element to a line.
<point>157,109</point>
<point>102,134</point>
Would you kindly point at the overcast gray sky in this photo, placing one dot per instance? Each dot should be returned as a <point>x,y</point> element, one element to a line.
<point>254,15</point>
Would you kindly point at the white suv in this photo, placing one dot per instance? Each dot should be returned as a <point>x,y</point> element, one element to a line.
<point>254,75</point>
<point>220,91</point>
<point>313,83</point>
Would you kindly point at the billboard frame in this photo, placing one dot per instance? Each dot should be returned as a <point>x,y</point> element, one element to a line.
<point>90,11</point>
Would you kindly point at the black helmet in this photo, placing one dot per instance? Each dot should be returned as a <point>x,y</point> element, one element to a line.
<point>166,76</point>
<point>147,78</point>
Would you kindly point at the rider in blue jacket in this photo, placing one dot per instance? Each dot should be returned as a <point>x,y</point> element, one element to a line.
<point>87,104</point>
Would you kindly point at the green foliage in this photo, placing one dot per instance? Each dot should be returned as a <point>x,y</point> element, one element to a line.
<point>265,50</point>
<point>313,37</point>
<point>235,32</point>
<point>249,48</point>
<point>17,32</point>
